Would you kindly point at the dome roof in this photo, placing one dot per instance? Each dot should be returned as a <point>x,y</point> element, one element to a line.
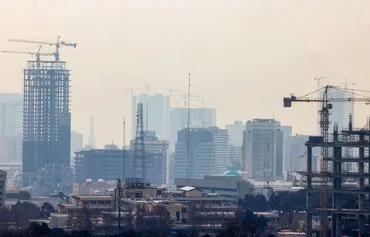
<point>231,172</point>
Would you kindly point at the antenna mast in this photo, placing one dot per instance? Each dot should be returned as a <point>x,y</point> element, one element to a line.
<point>188,137</point>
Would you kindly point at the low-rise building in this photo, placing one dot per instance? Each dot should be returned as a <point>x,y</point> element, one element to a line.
<point>230,185</point>
<point>89,187</point>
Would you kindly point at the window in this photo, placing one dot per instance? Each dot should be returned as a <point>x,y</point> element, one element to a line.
<point>177,215</point>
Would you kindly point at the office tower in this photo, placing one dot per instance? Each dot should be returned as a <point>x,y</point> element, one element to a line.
<point>108,164</point>
<point>199,118</point>
<point>156,112</point>
<point>2,188</point>
<point>296,153</point>
<point>287,132</point>
<point>207,153</point>
<point>11,116</point>
<point>263,150</point>
<point>46,125</point>
<point>76,144</point>
<point>235,132</point>
<point>221,149</point>
<point>156,158</point>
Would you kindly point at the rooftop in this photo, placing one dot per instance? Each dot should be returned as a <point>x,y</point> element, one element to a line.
<point>187,188</point>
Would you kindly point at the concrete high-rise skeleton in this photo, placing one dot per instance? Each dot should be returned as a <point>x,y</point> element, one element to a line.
<point>46,124</point>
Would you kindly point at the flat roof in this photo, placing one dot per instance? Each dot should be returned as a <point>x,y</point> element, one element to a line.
<point>92,197</point>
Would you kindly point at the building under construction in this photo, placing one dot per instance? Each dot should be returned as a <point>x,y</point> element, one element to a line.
<point>46,124</point>
<point>340,183</point>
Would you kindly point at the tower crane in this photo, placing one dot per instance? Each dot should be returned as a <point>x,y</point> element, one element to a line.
<point>36,54</point>
<point>57,45</point>
<point>324,129</point>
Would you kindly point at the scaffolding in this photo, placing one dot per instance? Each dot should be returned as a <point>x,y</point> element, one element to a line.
<point>336,181</point>
<point>46,121</point>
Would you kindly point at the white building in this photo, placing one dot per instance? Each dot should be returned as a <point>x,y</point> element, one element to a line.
<point>76,144</point>
<point>235,132</point>
<point>263,150</point>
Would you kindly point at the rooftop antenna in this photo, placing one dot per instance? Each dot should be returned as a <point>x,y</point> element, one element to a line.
<point>147,108</point>
<point>188,137</point>
<point>123,149</point>
<point>92,134</point>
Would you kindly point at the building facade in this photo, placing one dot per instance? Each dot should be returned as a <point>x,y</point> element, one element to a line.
<point>156,159</point>
<point>2,187</point>
<point>106,164</point>
<point>263,150</point>
<point>207,153</point>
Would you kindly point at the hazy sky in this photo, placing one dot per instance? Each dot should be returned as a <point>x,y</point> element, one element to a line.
<point>244,56</point>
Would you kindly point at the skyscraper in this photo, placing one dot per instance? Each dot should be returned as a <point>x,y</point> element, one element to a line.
<point>208,153</point>
<point>235,132</point>
<point>287,132</point>
<point>199,118</point>
<point>156,112</point>
<point>263,150</point>
<point>11,114</point>
<point>76,144</point>
<point>46,124</point>
<point>296,153</point>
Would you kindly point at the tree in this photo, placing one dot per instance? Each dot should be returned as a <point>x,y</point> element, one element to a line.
<point>245,223</point>
<point>254,202</point>
<point>22,212</point>
<point>46,209</point>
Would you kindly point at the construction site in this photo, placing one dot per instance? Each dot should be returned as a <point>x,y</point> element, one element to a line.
<point>46,118</point>
<point>344,171</point>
